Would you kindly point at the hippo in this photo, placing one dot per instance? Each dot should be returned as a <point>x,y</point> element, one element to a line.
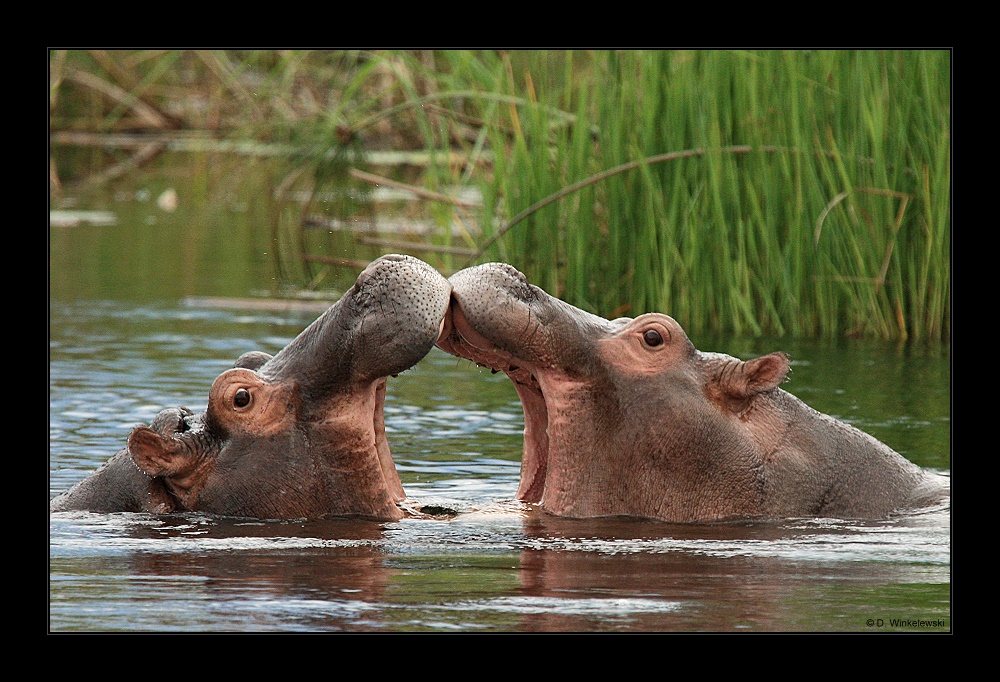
<point>300,434</point>
<point>626,417</point>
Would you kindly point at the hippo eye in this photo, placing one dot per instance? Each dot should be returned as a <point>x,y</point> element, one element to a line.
<point>652,337</point>
<point>242,398</point>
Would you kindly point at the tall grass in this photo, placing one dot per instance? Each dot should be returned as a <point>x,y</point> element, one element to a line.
<point>800,192</point>
<point>815,199</point>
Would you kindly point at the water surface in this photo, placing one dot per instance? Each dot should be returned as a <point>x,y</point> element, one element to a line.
<point>499,566</point>
<point>123,346</point>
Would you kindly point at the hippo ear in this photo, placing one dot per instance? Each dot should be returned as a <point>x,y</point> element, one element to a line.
<point>755,376</point>
<point>156,455</point>
<point>254,360</point>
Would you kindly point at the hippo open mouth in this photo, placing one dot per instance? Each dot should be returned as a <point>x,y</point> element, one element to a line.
<point>378,427</point>
<point>300,434</point>
<point>626,417</point>
<point>459,338</point>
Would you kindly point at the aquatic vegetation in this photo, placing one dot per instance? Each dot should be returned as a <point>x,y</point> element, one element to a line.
<point>792,192</point>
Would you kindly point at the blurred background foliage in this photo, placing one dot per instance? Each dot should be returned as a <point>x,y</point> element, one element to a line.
<point>797,192</point>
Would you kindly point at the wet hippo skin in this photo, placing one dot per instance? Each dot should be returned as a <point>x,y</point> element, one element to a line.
<point>297,435</point>
<point>626,417</point>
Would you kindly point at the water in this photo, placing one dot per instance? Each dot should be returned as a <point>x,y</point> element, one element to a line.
<point>123,346</point>
<point>498,566</point>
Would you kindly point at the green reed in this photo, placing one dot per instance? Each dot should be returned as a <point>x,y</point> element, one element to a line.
<point>813,200</point>
<point>800,192</point>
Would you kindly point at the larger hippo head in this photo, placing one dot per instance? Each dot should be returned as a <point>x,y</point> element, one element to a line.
<point>300,434</point>
<point>627,417</point>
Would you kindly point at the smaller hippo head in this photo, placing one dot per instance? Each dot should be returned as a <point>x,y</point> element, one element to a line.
<point>239,443</point>
<point>300,434</point>
<point>627,417</point>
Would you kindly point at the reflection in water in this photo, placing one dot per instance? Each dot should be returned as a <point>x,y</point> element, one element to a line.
<point>722,577</point>
<point>497,566</point>
<point>217,573</point>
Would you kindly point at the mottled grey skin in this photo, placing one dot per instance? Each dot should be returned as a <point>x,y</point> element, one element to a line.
<point>297,435</point>
<point>627,417</point>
